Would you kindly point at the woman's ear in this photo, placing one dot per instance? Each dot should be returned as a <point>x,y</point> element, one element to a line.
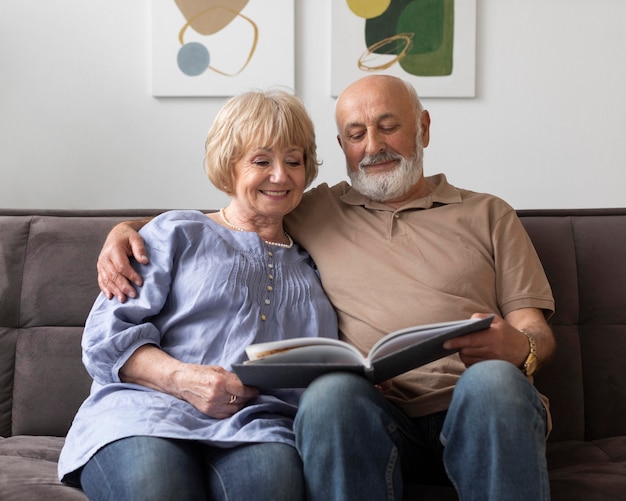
<point>226,186</point>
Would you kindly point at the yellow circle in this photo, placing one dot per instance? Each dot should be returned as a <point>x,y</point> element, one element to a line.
<point>368,8</point>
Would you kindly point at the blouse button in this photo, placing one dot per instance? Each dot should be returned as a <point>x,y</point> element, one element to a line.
<point>267,301</point>
<point>263,317</point>
<point>270,254</point>
<point>270,288</point>
<point>270,276</point>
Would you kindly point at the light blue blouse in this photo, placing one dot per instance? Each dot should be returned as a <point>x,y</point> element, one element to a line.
<point>208,293</point>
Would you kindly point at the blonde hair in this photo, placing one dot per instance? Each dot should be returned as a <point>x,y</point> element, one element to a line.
<point>258,119</point>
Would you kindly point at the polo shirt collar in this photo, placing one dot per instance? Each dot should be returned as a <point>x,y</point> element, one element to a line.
<point>443,194</point>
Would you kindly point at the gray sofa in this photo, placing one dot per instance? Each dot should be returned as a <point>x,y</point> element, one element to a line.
<point>48,284</point>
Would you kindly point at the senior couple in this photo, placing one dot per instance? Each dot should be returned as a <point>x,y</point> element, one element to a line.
<point>166,417</point>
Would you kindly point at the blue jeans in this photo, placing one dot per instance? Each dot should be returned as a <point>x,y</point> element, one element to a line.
<point>490,443</point>
<point>151,468</point>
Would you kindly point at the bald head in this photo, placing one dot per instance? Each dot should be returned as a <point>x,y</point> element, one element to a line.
<point>382,129</point>
<point>375,86</point>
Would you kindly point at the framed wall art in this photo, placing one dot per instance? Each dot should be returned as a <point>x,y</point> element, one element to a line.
<point>221,47</point>
<point>431,43</point>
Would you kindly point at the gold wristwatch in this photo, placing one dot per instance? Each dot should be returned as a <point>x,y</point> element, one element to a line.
<point>530,364</point>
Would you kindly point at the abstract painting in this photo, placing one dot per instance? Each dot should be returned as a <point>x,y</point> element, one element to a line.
<point>221,47</point>
<point>431,43</point>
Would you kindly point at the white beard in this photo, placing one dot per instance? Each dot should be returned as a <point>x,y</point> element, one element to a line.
<point>391,184</point>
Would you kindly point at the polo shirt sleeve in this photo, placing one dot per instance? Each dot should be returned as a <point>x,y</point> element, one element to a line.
<point>520,279</point>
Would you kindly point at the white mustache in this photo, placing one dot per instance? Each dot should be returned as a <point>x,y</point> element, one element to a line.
<point>370,160</point>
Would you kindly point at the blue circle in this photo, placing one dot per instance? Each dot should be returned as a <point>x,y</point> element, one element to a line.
<point>193,59</point>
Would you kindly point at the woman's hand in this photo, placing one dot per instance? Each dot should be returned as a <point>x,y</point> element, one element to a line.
<point>211,389</point>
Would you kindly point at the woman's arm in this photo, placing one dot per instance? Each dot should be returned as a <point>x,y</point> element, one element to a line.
<point>210,389</point>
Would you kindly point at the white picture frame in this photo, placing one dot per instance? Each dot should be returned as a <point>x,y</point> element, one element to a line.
<point>252,46</point>
<point>349,49</point>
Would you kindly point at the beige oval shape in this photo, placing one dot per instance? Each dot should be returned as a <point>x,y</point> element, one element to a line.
<point>210,16</point>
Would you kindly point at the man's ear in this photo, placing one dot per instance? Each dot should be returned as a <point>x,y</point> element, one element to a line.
<point>425,128</point>
<point>339,141</point>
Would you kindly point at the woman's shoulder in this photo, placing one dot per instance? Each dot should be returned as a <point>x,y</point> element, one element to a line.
<point>177,224</point>
<point>178,218</point>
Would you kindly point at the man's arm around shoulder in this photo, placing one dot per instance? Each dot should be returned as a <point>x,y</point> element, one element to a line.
<point>116,276</point>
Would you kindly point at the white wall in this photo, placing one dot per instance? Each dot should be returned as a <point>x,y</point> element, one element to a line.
<point>79,128</point>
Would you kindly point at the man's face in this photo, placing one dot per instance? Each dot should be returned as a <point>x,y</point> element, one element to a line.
<point>378,133</point>
<point>388,185</point>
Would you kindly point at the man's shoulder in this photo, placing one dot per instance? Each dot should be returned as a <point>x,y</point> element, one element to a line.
<point>324,190</point>
<point>321,196</point>
<point>318,205</point>
<point>467,201</point>
<point>478,199</point>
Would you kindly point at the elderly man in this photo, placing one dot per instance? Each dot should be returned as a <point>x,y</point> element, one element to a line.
<point>396,248</point>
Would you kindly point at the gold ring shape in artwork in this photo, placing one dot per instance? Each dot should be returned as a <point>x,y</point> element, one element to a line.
<point>407,38</point>
<point>198,54</point>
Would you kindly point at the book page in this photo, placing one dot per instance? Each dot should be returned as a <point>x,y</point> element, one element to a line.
<point>284,346</point>
<point>403,338</point>
<point>313,354</point>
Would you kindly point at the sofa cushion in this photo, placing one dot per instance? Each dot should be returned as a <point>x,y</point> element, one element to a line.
<point>8,341</point>
<point>588,471</point>
<point>562,381</point>
<point>13,242</point>
<point>60,277</point>
<point>50,380</point>
<point>28,470</point>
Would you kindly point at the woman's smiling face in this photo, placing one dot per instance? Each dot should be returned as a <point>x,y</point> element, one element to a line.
<point>269,181</point>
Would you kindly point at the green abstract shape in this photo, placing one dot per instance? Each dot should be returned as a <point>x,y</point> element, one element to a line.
<point>385,26</point>
<point>423,18</point>
<point>431,23</point>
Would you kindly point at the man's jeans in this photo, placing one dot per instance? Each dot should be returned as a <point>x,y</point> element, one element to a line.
<point>357,445</point>
<point>151,469</point>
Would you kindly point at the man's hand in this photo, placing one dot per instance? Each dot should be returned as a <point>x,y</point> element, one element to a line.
<point>115,274</point>
<point>503,340</point>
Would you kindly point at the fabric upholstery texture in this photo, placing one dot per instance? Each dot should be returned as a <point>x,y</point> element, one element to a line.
<point>48,284</point>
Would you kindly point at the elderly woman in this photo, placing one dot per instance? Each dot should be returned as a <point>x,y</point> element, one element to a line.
<point>166,418</point>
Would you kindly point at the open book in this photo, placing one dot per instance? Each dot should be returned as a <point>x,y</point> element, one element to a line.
<point>294,363</point>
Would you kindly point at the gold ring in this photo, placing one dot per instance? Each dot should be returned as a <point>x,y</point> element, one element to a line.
<point>233,399</point>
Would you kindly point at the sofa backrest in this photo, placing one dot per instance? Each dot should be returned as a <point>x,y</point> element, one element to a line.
<point>48,285</point>
<point>584,255</point>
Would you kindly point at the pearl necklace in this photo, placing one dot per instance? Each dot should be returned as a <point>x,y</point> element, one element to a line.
<point>238,228</point>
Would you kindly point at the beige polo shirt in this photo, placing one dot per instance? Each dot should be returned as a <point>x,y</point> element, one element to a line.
<point>439,258</point>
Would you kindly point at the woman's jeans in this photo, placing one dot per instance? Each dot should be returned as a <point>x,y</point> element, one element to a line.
<point>151,468</point>
<point>491,441</point>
